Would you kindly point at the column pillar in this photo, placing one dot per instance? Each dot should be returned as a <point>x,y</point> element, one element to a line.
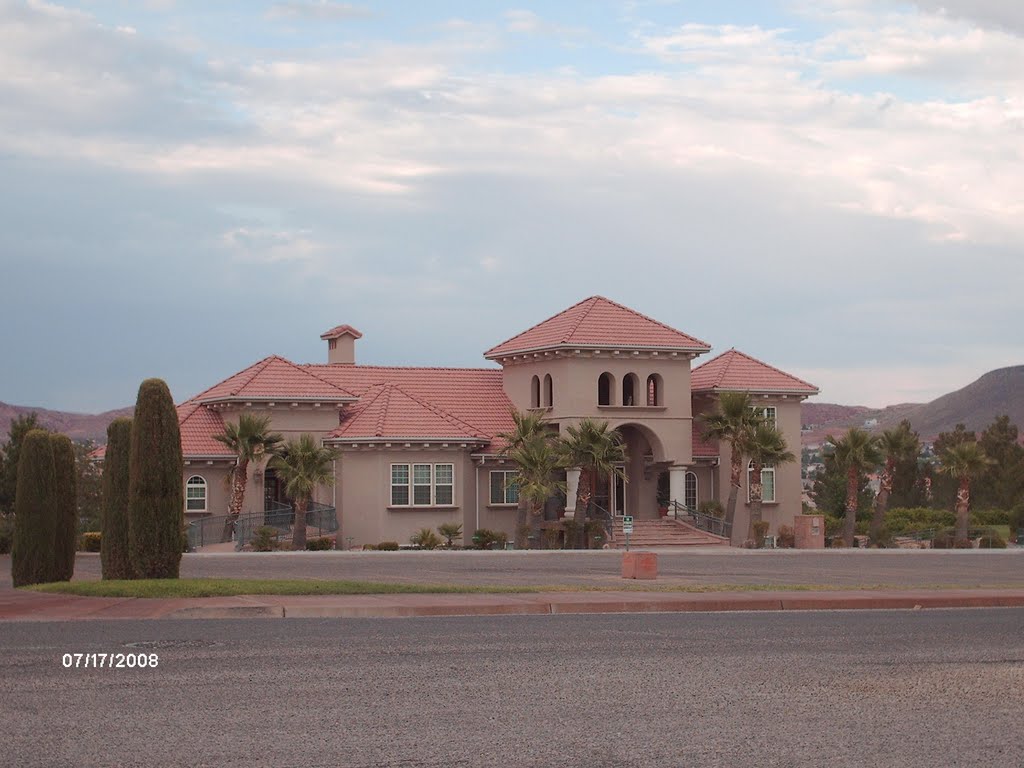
<point>677,484</point>
<point>572,486</point>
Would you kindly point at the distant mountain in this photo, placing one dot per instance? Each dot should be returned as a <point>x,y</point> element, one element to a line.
<point>77,426</point>
<point>976,405</point>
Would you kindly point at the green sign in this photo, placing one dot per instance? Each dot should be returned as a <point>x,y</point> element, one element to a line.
<point>627,524</point>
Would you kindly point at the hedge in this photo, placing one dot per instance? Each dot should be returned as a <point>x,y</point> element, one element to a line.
<point>114,558</point>
<point>65,502</point>
<point>35,518</point>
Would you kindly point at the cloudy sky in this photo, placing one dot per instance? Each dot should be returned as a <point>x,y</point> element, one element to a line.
<point>834,186</point>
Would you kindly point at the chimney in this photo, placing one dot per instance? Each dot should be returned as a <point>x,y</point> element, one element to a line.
<point>341,344</point>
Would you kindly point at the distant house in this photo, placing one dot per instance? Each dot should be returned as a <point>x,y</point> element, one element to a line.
<point>870,423</point>
<point>421,446</point>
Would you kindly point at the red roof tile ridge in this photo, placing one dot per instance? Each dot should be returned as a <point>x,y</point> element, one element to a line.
<point>565,311</point>
<point>385,392</point>
<point>733,353</point>
<point>649,319</point>
<point>338,330</point>
<point>316,376</point>
<point>437,410</point>
<point>256,367</point>
<point>359,366</point>
<point>583,315</point>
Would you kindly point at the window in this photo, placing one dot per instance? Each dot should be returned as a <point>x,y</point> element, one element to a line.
<point>769,413</point>
<point>630,389</point>
<point>504,487</point>
<point>422,485</point>
<point>535,392</point>
<point>690,491</point>
<point>399,485</point>
<point>605,389</point>
<point>654,393</point>
<point>549,392</point>
<point>195,494</point>
<point>767,483</point>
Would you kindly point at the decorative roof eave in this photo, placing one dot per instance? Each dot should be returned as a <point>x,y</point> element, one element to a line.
<point>210,457</point>
<point>405,441</point>
<point>341,330</point>
<point>571,348</point>
<point>758,391</point>
<point>279,399</point>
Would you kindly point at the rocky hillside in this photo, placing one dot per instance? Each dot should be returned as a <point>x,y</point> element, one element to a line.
<point>77,426</point>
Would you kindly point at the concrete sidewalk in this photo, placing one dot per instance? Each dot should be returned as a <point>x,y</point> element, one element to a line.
<point>17,605</point>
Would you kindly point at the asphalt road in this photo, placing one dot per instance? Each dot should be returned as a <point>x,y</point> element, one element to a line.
<point>908,568</point>
<point>908,689</point>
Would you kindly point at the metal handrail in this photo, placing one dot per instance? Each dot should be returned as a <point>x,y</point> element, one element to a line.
<point>209,530</point>
<point>606,519</point>
<point>702,521</point>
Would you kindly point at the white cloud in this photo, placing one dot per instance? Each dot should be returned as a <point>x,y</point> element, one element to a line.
<point>318,10</point>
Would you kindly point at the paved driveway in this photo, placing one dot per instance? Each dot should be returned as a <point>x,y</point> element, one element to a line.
<point>910,568</point>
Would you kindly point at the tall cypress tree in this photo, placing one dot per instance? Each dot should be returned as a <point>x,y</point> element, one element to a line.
<point>65,506</point>
<point>156,511</point>
<point>35,519</point>
<point>114,556</point>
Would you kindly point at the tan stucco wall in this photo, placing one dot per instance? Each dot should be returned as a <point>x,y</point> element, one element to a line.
<point>218,492</point>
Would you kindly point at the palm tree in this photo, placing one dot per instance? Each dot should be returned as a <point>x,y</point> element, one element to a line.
<point>538,461</point>
<point>528,426</point>
<point>249,439</point>
<point>897,445</point>
<point>597,450</point>
<point>858,453</point>
<point>767,448</point>
<point>732,420</point>
<point>963,461</point>
<point>303,465</point>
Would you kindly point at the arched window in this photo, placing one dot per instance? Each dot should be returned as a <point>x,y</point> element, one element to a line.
<point>630,389</point>
<point>767,483</point>
<point>535,392</point>
<point>655,396</point>
<point>195,494</point>
<point>549,391</point>
<point>605,389</point>
<point>690,491</point>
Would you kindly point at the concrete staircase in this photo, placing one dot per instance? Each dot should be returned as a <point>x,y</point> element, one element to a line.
<point>665,532</point>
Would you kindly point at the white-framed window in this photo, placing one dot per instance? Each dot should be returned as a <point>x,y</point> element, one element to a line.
<point>769,413</point>
<point>422,485</point>
<point>400,485</point>
<point>504,487</point>
<point>767,483</point>
<point>690,490</point>
<point>195,494</point>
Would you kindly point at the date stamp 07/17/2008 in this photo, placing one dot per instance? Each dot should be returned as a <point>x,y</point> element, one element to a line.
<point>110,660</point>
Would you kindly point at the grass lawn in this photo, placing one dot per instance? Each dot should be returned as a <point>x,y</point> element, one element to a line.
<point>230,587</point>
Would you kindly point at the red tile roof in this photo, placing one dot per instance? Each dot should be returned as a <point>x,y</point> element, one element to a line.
<point>736,371</point>
<point>198,426</point>
<point>701,447</point>
<point>599,322</point>
<point>340,330</point>
<point>275,377</point>
<point>388,411</point>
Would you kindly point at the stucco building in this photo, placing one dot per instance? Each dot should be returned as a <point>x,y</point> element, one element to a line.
<point>420,446</point>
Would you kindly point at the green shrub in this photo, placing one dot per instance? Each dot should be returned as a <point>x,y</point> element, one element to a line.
<point>760,529</point>
<point>833,526</point>
<point>712,507</point>
<point>319,544</point>
<point>33,559</point>
<point>425,538</point>
<point>991,542</point>
<point>786,537</point>
<point>6,535</point>
<point>983,517</point>
<point>114,558</point>
<point>388,546</point>
<point>485,538</point>
<point>264,539</point>
<point>943,540</point>
<point>905,520</point>
<point>65,503</point>
<point>92,541</point>
<point>369,547</point>
<point>595,533</point>
<point>1017,518</point>
<point>552,537</point>
<point>884,538</point>
<point>572,533</point>
<point>156,505</point>
<point>450,531</point>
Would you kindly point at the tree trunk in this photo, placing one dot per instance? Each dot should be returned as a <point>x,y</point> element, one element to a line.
<point>850,524</point>
<point>533,541</point>
<point>521,524</point>
<point>238,480</point>
<point>583,493</point>
<point>756,501</point>
<point>299,527</point>
<point>963,504</point>
<point>882,501</point>
<point>735,475</point>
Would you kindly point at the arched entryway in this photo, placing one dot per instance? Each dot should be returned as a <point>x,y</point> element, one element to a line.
<point>637,495</point>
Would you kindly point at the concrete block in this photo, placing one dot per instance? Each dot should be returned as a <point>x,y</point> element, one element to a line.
<point>640,565</point>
